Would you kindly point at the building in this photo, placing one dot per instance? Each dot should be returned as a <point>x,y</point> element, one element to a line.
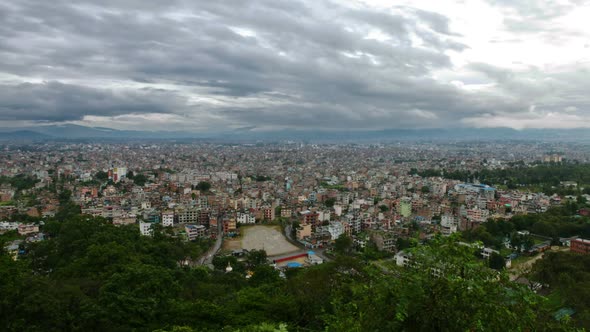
<point>402,258</point>
<point>303,231</point>
<point>487,252</point>
<point>167,218</point>
<point>313,259</point>
<point>145,228</point>
<point>269,213</point>
<point>25,229</point>
<point>13,248</point>
<point>229,225</point>
<point>478,215</point>
<point>552,158</point>
<point>581,246</point>
<point>119,173</point>
<point>204,217</point>
<point>310,218</point>
<point>286,212</point>
<point>245,218</point>
<point>194,232</point>
<point>384,241</point>
<point>448,224</point>
<point>335,229</point>
<point>186,216</point>
<point>125,220</point>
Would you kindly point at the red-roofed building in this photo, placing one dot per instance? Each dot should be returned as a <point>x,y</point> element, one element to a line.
<point>580,246</point>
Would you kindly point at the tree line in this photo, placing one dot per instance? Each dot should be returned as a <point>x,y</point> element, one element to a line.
<point>545,176</point>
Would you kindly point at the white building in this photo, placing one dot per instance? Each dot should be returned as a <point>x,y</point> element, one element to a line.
<point>402,259</point>
<point>338,210</point>
<point>119,173</point>
<point>9,226</point>
<point>167,218</point>
<point>448,224</point>
<point>487,252</point>
<point>336,229</point>
<point>324,216</point>
<point>245,218</point>
<point>145,228</point>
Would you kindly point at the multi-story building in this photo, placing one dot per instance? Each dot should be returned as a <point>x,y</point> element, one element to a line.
<point>448,224</point>
<point>194,232</point>
<point>229,225</point>
<point>303,231</point>
<point>384,241</point>
<point>286,212</point>
<point>25,229</point>
<point>245,218</point>
<point>581,246</point>
<point>310,218</point>
<point>336,229</point>
<point>187,215</point>
<point>204,217</point>
<point>125,220</point>
<point>269,213</point>
<point>167,218</point>
<point>119,173</point>
<point>477,214</point>
<point>145,228</point>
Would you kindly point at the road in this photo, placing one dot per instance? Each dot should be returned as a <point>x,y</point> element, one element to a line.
<point>526,266</point>
<point>207,258</point>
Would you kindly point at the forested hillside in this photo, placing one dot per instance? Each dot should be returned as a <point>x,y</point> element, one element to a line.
<point>93,276</point>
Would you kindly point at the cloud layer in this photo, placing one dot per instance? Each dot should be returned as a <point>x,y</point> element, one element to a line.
<point>273,64</point>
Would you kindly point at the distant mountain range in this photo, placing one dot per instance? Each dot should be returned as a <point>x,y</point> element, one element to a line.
<point>75,132</point>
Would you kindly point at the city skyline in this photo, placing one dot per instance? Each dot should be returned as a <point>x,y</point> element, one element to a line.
<point>272,65</point>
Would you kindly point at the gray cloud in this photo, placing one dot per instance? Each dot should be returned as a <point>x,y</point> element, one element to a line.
<point>266,63</point>
<point>54,101</point>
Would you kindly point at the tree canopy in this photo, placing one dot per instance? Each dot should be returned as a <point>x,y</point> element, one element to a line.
<point>203,186</point>
<point>93,276</point>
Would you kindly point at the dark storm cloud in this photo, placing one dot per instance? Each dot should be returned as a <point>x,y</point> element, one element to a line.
<point>266,62</point>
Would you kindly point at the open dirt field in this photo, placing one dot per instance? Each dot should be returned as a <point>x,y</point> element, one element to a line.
<point>268,238</point>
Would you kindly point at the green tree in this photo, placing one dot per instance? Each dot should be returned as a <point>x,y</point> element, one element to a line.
<point>140,179</point>
<point>416,298</point>
<point>255,258</point>
<point>496,261</point>
<point>329,202</point>
<point>203,186</point>
<point>101,175</point>
<point>343,244</point>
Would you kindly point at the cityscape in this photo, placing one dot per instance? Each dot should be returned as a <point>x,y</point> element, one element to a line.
<point>294,165</point>
<point>301,204</point>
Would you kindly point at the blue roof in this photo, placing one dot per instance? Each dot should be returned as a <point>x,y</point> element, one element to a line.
<point>311,253</point>
<point>294,264</point>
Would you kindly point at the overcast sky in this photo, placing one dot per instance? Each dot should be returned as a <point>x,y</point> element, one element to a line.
<point>210,65</point>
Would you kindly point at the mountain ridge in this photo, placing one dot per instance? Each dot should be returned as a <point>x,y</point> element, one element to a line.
<point>71,131</point>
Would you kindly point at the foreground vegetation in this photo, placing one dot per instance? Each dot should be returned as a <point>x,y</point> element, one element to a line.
<point>567,276</point>
<point>93,276</point>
